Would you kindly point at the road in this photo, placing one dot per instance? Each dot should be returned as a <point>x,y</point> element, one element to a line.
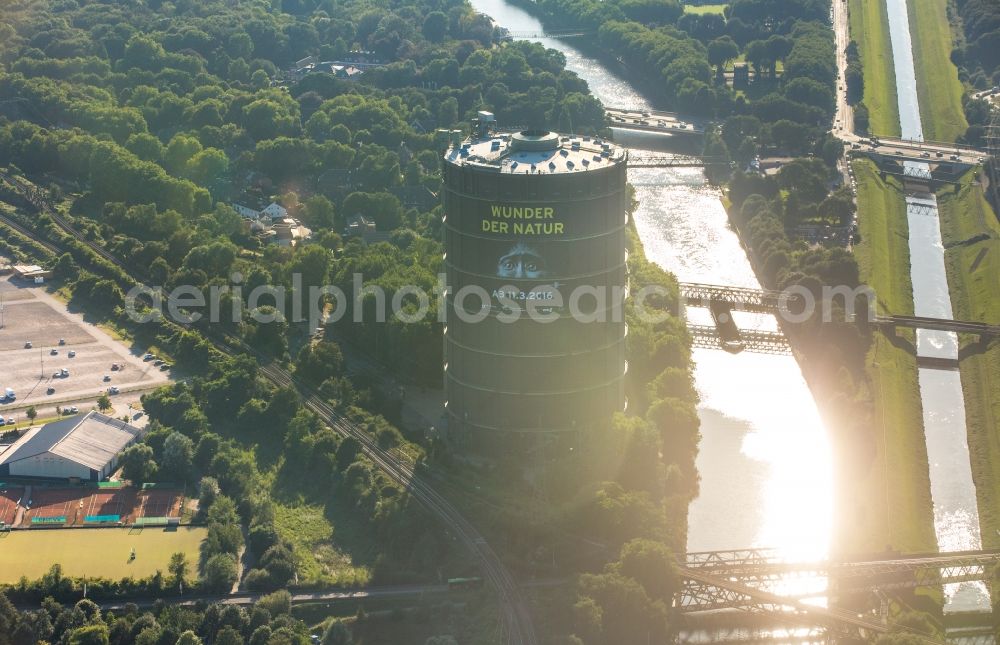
<point>517,621</point>
<point>905,150</point>
<point>652,121</point>
<point>844,124</point>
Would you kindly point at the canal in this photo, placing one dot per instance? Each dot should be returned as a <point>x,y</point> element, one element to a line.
<point>764,460</point>
<point>956,516</point>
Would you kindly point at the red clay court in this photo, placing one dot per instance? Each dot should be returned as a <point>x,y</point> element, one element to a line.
<point>158,502</point>
<point>52,503</point>
<point>109,501</point>
<point>76,504</point>
<point>8,504</point>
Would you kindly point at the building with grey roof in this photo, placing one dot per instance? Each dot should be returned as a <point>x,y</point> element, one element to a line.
<point>84,447</point>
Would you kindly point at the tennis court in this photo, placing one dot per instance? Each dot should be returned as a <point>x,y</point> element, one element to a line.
<point>110,502</point>
<point>158,502</point>
<point>78,506</point>
<point>8,504</point>
<point>47,505</point>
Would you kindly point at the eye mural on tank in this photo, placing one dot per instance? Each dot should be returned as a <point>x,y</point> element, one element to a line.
<point>521,261</point>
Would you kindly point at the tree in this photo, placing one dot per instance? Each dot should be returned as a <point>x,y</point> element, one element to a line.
<point>207,166</point>
<point>319,212</point>
<point>318,362</point>
<point>178,456</point>
<point>337,633</point>
<point>138,464</point>
<point>178,567</point>
<point>277,603</point>
<point>435,26</point>
<point>31,413</point>
<point>189,638</point>
<point>89,635</point>
<point>220,572</point>
<point>104,403</point>
<point>720,52</point>
<point>228,635</point>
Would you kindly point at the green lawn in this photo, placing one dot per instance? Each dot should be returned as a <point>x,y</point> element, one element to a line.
<point>94,553</point>
<point>870,29</point>
<point>971,236</point>
<point>705,8</point>
<point>938,87</point>
<point>889,503</point>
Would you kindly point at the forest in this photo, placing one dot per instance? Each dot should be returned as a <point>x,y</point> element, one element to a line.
<point>143,125</point>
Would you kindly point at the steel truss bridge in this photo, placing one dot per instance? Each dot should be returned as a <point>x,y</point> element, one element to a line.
<point>983,330</point>
<point>716,580</point>
<point>752,340</point>
<point>558,33</point>
<point>646,160</point>
<point>761,301</point>
<point>768,301</point>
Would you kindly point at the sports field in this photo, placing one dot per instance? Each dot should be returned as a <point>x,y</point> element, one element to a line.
<point>95,553</point>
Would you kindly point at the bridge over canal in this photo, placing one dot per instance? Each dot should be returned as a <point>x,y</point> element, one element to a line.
<point>737,580</point>
<point>722,300</point>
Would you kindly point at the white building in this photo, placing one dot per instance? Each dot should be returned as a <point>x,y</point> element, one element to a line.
<point>246,212</point>
<point>275,211</point>
<point>84,447</point>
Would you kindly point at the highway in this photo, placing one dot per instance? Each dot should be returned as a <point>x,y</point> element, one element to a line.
<point>844,123</point>
<point>518,624</point>
<point>652,121</point>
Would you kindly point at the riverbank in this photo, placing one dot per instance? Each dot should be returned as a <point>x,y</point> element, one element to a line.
<point>870,30</point>
<point>938,89</point>
<point>971,236</point>
<point>894,495</point>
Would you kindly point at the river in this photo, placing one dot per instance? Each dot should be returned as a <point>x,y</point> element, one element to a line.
<point>956,515</point>
<point>764,460</point>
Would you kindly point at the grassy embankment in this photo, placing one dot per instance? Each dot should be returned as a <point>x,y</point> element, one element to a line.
<point>870,29</point>
<point>938,88</point>
<point>889,504</point>
<point>971,236</point>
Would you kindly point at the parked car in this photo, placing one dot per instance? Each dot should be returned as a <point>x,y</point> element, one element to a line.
<point>51,390</point>
<point>73,409</point>
<point>71,354</point>
<point>158,362</point>
<point>62,341</point>
<point>114,367</point>
<point>107,377</point>
<point>53,352</point>
<point>149,357</point>
<point>10,421</point>
<point>27,344</point>
<point>113,389</point>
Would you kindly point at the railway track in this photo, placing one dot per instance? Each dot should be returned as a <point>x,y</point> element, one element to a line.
<point>9,223</point>
<point>518,624</point>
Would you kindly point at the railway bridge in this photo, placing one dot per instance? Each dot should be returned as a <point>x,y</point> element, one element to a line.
<point>740,580</point>
<point>722,300</point>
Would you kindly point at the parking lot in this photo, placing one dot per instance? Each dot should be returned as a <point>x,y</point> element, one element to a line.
<point>30,314</point>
